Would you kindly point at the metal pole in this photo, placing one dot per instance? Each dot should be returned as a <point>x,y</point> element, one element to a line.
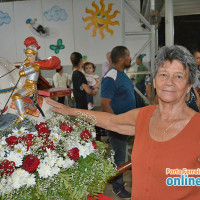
<point>153,38</point>
<point>123,22</point>
<point>133,9</point>
<point>153,47</point>
<point>169,23</point>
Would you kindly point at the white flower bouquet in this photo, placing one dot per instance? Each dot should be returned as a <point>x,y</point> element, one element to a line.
<point>59,159</point>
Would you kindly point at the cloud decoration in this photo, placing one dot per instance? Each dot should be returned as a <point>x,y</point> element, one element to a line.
<point>55,14</point>
<point>4,18</point>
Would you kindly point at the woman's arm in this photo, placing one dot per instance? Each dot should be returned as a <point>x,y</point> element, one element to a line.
<point>123,123</point>
<point>88,90</point>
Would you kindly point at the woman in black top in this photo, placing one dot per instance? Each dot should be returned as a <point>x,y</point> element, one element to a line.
<point>80,87</point>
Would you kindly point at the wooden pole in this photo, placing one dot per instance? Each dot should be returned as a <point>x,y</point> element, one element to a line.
<point>122,168</point>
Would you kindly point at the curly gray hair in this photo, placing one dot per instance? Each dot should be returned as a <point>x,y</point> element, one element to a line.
<point>180,54</point>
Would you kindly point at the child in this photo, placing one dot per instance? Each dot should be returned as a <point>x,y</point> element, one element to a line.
<point>92,79</point>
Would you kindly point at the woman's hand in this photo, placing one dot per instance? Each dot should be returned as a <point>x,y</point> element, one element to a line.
<point>88,90</point>
<point>95,90</point>
<point>59,107</point>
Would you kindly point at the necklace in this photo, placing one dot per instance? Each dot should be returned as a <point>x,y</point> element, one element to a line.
<point>165,130</point>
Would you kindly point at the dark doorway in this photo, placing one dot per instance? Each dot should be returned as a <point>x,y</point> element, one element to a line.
<point>186,31</point>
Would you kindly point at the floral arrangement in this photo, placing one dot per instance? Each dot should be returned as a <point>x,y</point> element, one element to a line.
<point>59,159</point>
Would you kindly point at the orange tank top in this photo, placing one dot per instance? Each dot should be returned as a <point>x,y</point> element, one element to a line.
<point>157,166</point>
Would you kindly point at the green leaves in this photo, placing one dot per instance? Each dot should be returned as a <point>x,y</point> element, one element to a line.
<point>57,47</point>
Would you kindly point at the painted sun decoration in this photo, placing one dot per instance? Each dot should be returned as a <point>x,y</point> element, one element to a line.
<point>101,19</point>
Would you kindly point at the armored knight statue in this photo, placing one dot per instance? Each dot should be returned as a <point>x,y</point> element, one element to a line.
<point>30,69</point>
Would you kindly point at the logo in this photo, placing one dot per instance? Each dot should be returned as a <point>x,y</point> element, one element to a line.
<point>186,177</point>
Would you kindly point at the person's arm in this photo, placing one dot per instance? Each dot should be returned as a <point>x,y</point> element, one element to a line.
<point>88,90</point>
<point>105,104</point>
<point>98,82</point>
<point>108,91</point>
<point>123,123</point>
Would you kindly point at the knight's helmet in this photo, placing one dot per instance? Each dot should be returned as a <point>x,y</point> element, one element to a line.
<point>31,45</point>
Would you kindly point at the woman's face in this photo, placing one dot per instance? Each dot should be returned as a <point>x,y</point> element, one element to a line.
<point>172,82</point>
<point>89,69</point>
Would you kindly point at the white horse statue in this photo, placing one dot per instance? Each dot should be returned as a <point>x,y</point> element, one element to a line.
<point>9,76</point>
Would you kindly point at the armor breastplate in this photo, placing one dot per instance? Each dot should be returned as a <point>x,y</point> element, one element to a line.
<point>33,77</point>
<point>31,73</point>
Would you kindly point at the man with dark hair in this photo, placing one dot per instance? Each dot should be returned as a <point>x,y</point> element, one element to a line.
<point>117,96</point>
<point>117,53</point>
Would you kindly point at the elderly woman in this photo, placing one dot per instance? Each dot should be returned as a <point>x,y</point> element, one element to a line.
<point>167,138</point>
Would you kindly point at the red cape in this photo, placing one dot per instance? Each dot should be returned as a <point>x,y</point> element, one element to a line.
<point>48,64</point>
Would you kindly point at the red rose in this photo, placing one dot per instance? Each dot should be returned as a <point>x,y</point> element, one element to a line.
<point>12,140</point>
<point>94,144</point>
<point>44,132</point>
<point>85,135</point>
<point>30,163</point>
<point>73,154</point>
<point>41,125</point>
<point>48,144</point>
<point>7,167</point>
<point>65,127</point>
